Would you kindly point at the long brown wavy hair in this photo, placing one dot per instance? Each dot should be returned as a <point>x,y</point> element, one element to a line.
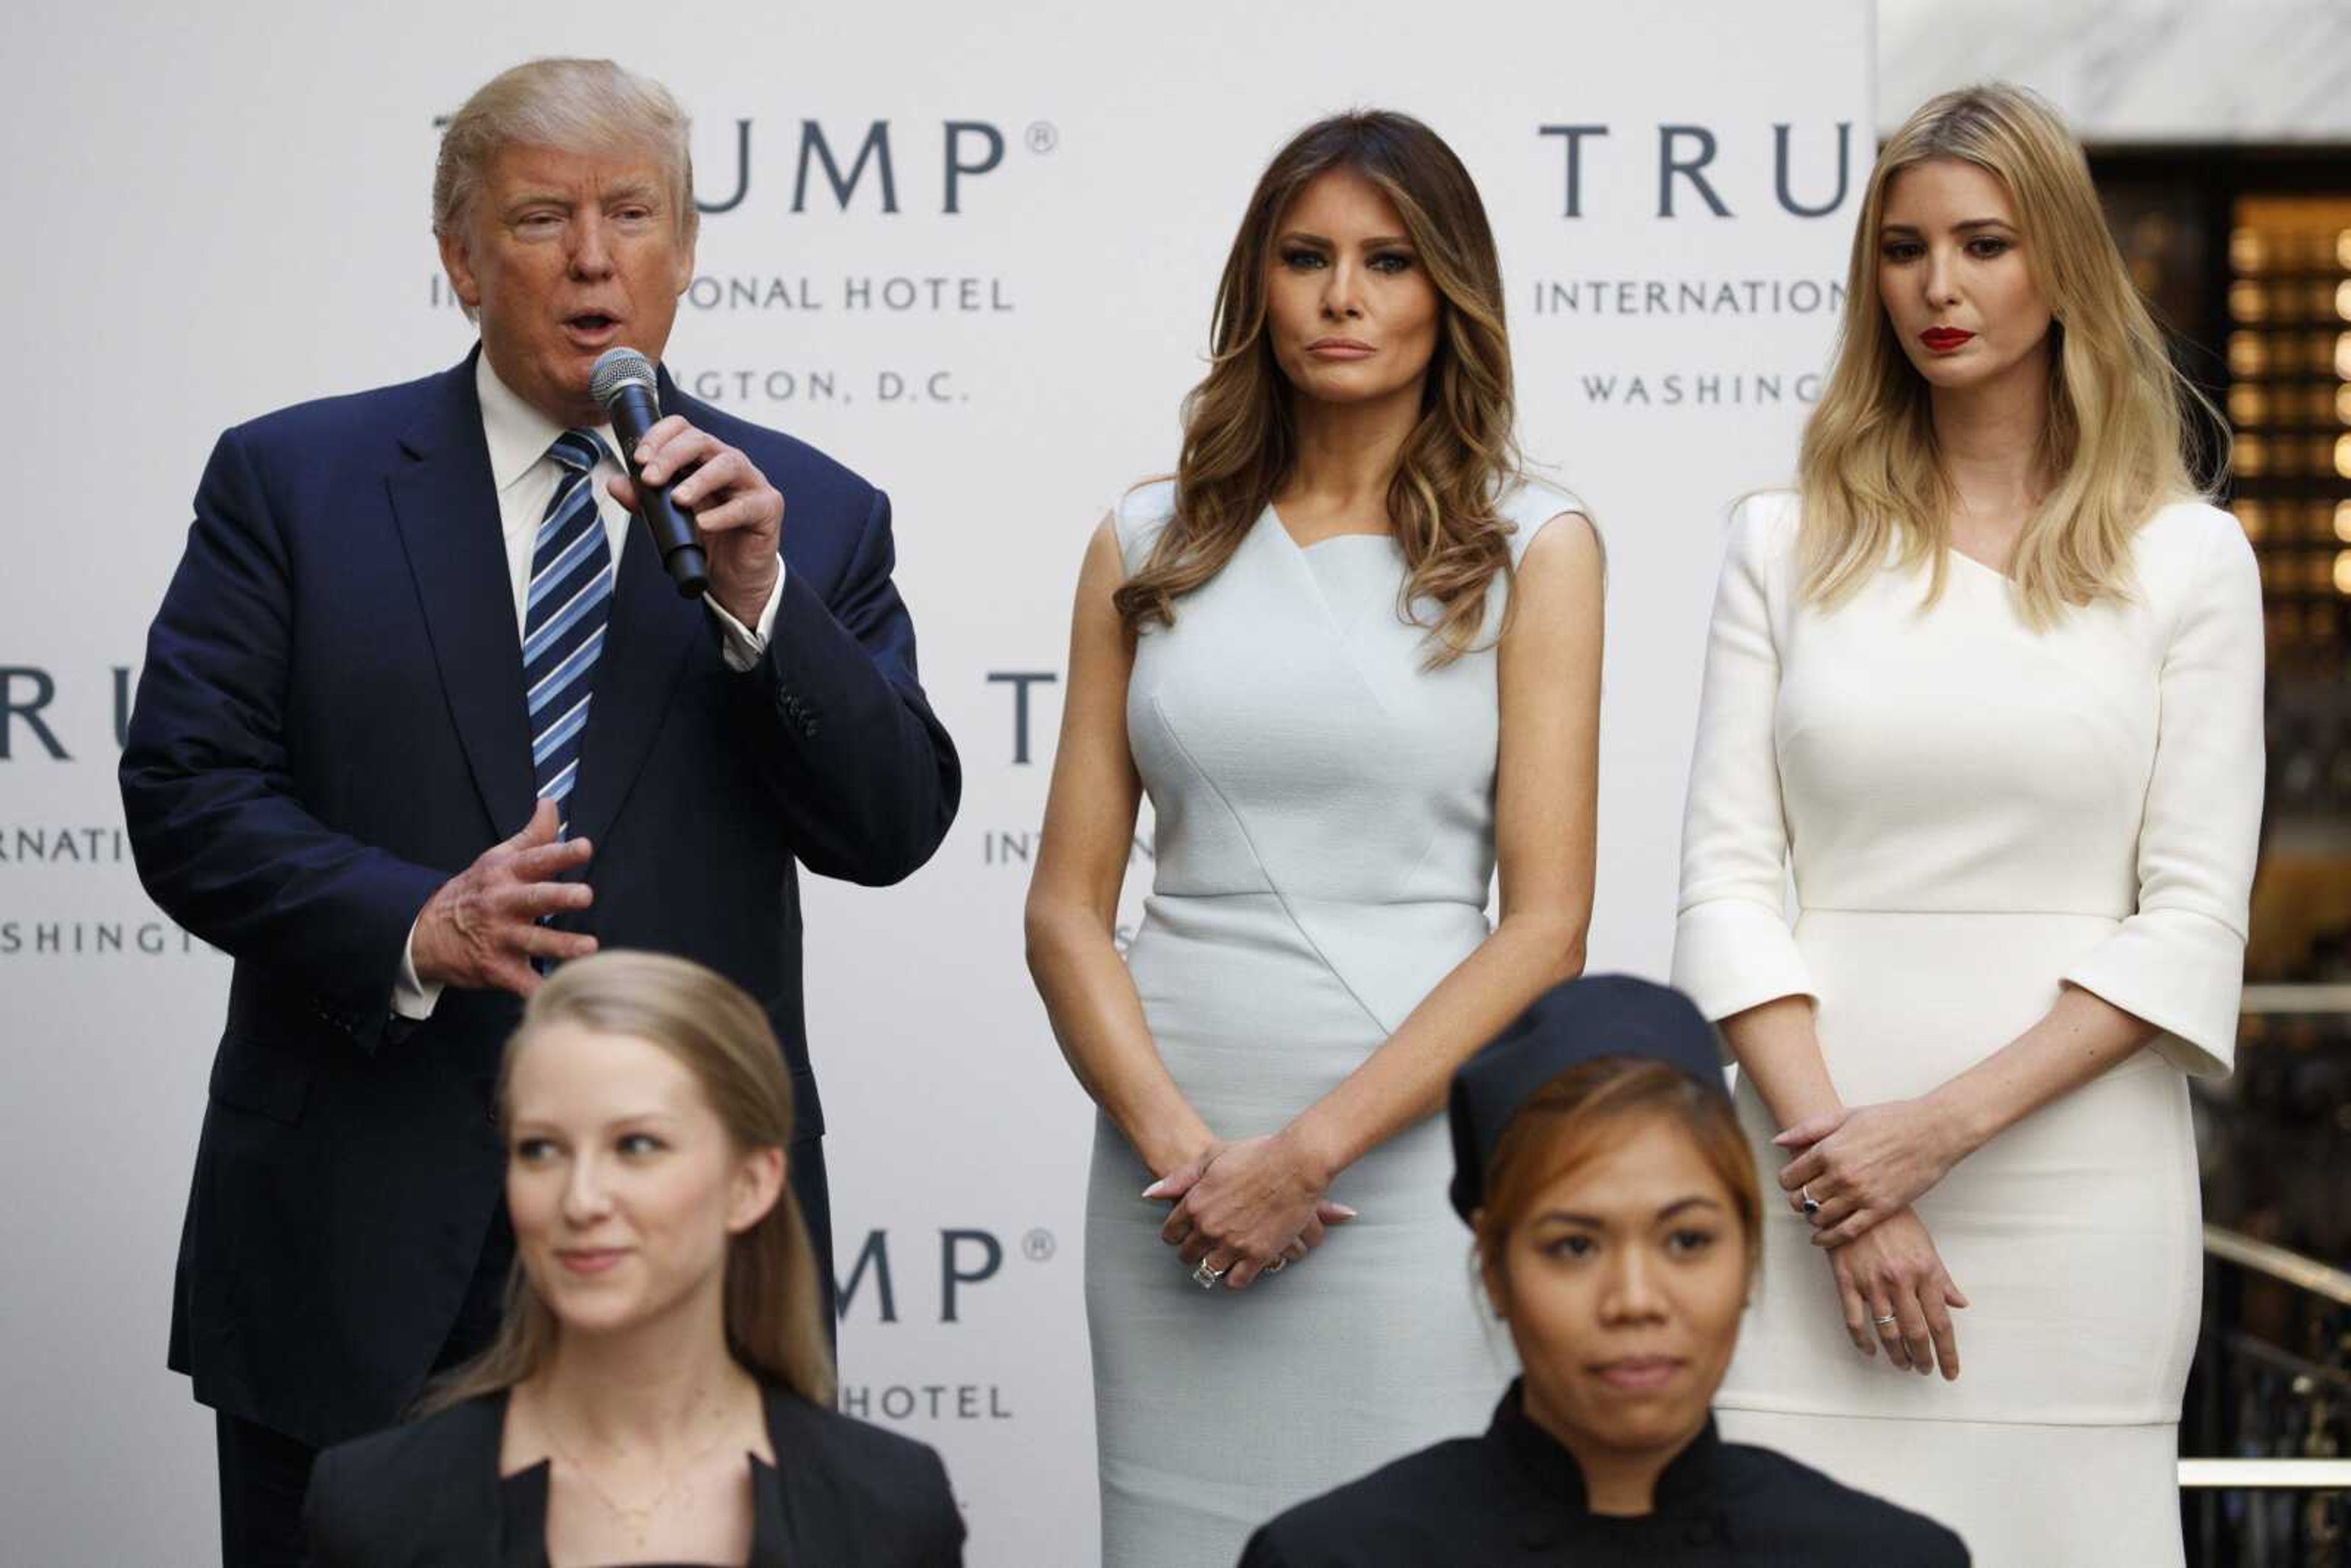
<point>2115,446</point>
<point>775,1322</point>
<point>1239,438</point>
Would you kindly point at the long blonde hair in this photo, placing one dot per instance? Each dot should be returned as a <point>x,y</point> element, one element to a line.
<point>2114,444</point>
<point>775,1323</point>
<point>1239,443</point>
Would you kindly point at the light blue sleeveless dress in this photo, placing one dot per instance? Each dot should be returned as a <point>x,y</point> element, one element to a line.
<point>1325,848</point>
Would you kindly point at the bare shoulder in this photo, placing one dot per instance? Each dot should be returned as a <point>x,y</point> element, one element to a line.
<point>1141,514</point>
<point>1103,544</point>
<point>1553,539</point>
<point>1105,569</point>
<point>1564,548</point>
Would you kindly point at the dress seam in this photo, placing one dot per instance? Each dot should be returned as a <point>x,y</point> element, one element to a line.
<point>1272,885</point>
<point>1803,909</point>
<point>1907,1419</point>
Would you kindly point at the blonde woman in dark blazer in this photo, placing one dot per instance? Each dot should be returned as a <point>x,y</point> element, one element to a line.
<point>660,1389</point>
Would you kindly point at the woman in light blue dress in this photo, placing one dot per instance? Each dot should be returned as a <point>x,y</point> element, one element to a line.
<point>1354,657</point>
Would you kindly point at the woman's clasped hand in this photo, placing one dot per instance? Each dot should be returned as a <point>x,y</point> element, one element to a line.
<point>1854,1176</point>
<point>1861,1167</point>
<point>1246,1208</point>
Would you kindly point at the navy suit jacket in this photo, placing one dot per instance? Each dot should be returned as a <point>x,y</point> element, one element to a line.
<point>330,723</point>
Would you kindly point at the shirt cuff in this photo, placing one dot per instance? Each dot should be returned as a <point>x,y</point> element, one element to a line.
<point>410,996</point>
<point>742,646</point>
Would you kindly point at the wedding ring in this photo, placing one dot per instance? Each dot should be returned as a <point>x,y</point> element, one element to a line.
<point>1204,1277</point>
<point>1810,1205</point>
<point>1278,1265</point>
<point>1885,1322</point>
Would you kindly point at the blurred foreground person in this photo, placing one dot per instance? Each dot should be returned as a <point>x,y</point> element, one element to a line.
<point>1988,686</point>
<point>1616,1213</point>
<point>660,1389</point>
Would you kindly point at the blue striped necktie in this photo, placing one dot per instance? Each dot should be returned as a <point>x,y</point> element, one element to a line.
<point>571,599</point>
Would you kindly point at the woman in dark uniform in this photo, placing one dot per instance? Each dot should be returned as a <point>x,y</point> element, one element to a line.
<point>661,1390</point>
<point>1617,1217</point>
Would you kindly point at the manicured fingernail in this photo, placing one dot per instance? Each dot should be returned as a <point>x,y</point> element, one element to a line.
<point>1346,1209</point>
<point>1157,1190</point>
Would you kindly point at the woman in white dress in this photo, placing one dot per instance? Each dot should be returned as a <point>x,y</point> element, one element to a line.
<point>1990,683</point>
<point>1354,659</point>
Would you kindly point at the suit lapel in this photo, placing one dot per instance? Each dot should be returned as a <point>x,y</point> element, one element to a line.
<point>806,1526</point>
<point>447,509</point>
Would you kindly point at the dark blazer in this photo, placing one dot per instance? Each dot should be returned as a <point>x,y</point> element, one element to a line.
<point>1515,1495</point>
<point>841,1492</point>
<point>330,723</point>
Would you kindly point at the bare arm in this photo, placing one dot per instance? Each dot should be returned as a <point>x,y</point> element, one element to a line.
<point>2077,1039</point>
<point>1779,1052</point>
<point>1237,1212</point>
<point>1072,907</point>
<point>1863,1166</point>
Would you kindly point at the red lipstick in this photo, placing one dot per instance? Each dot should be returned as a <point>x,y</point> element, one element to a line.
<point>1943,340</point>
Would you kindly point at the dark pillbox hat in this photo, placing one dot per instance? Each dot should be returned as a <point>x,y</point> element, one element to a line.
<point>1573,1022</point>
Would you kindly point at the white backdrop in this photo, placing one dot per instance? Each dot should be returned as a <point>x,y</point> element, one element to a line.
<point>223,210</point>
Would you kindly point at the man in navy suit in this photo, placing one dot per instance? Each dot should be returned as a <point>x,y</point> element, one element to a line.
<point>419,717</point>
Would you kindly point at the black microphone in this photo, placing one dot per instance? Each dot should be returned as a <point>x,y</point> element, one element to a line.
<point>623,381</point>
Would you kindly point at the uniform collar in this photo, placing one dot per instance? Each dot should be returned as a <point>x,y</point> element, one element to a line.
<point>517,433</point>
<point>1691,1481</point>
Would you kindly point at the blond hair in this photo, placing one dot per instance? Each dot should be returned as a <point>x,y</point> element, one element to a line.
<point>1460,455</point>
<point>577,105</point>
<point>775,1323</point>
<point>2114,447</point>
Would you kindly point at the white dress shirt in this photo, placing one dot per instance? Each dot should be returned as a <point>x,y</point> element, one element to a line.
<point>519,436</point>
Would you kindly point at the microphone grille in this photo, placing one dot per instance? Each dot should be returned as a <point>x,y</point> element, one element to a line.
<point>618,368</point>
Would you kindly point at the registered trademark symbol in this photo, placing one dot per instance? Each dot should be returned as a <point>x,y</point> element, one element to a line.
<point>1037,1246</point>
<point>1042,137</point>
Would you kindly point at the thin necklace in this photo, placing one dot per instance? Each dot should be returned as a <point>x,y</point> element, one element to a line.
<point>637,1520</point>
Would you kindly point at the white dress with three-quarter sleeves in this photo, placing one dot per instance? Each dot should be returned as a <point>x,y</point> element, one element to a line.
<point>1975,814</point>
